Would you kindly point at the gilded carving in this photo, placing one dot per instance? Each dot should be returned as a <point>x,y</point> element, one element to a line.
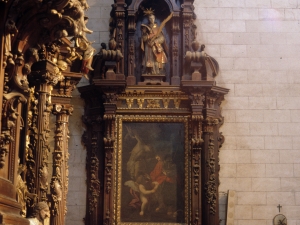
<point>153,103</point>
<point>54,22</point>
<point>59,180</point>
<point>162,101</point>
<point>166,102</point>
<point>72,55</point>
<point>177,103</point>
<point>129,102</point>
<point>58,159</point>
<point>43,175</point>
<point>140,103</point>
<point>3,151</point>
<point>34,60</point>
<point>31,141</point>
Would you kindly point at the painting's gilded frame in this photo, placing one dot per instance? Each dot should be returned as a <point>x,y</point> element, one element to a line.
<point>118,162</point>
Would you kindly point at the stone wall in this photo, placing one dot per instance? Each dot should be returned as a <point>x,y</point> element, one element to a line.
<point>257,44</point>
<point>76,198</point>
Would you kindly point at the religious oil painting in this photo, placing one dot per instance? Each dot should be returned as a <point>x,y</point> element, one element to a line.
<point>152,161</point>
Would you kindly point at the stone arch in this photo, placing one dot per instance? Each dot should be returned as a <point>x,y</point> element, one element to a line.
<point>136,4</point>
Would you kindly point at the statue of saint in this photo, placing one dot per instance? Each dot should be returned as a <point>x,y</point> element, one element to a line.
<point>41,212</point>
<point>153,45</point>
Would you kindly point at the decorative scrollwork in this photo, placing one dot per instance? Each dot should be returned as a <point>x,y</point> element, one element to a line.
<point>211,193</point>
<point>94,189</point>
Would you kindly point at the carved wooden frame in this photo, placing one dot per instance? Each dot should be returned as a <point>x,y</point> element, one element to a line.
<point>118,162</point>
<point>117,93</point>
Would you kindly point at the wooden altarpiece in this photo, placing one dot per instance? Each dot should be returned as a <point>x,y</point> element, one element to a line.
<point>36,81</point>
<point>152,95</point>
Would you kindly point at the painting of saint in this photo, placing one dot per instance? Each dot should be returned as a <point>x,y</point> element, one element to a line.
<point>153,162</point>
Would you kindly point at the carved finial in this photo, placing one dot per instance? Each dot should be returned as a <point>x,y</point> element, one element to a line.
<point>195,45</point>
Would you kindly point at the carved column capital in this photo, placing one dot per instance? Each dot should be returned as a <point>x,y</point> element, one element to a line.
<point>66,109</point>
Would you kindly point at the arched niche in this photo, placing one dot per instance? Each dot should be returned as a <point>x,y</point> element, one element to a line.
<point>171,31</point>
<point>173,5</point>
<point>161,11</point>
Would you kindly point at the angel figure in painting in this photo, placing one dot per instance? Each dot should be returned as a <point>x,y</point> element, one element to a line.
<point>141,189</point>
<point>153,45</point>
